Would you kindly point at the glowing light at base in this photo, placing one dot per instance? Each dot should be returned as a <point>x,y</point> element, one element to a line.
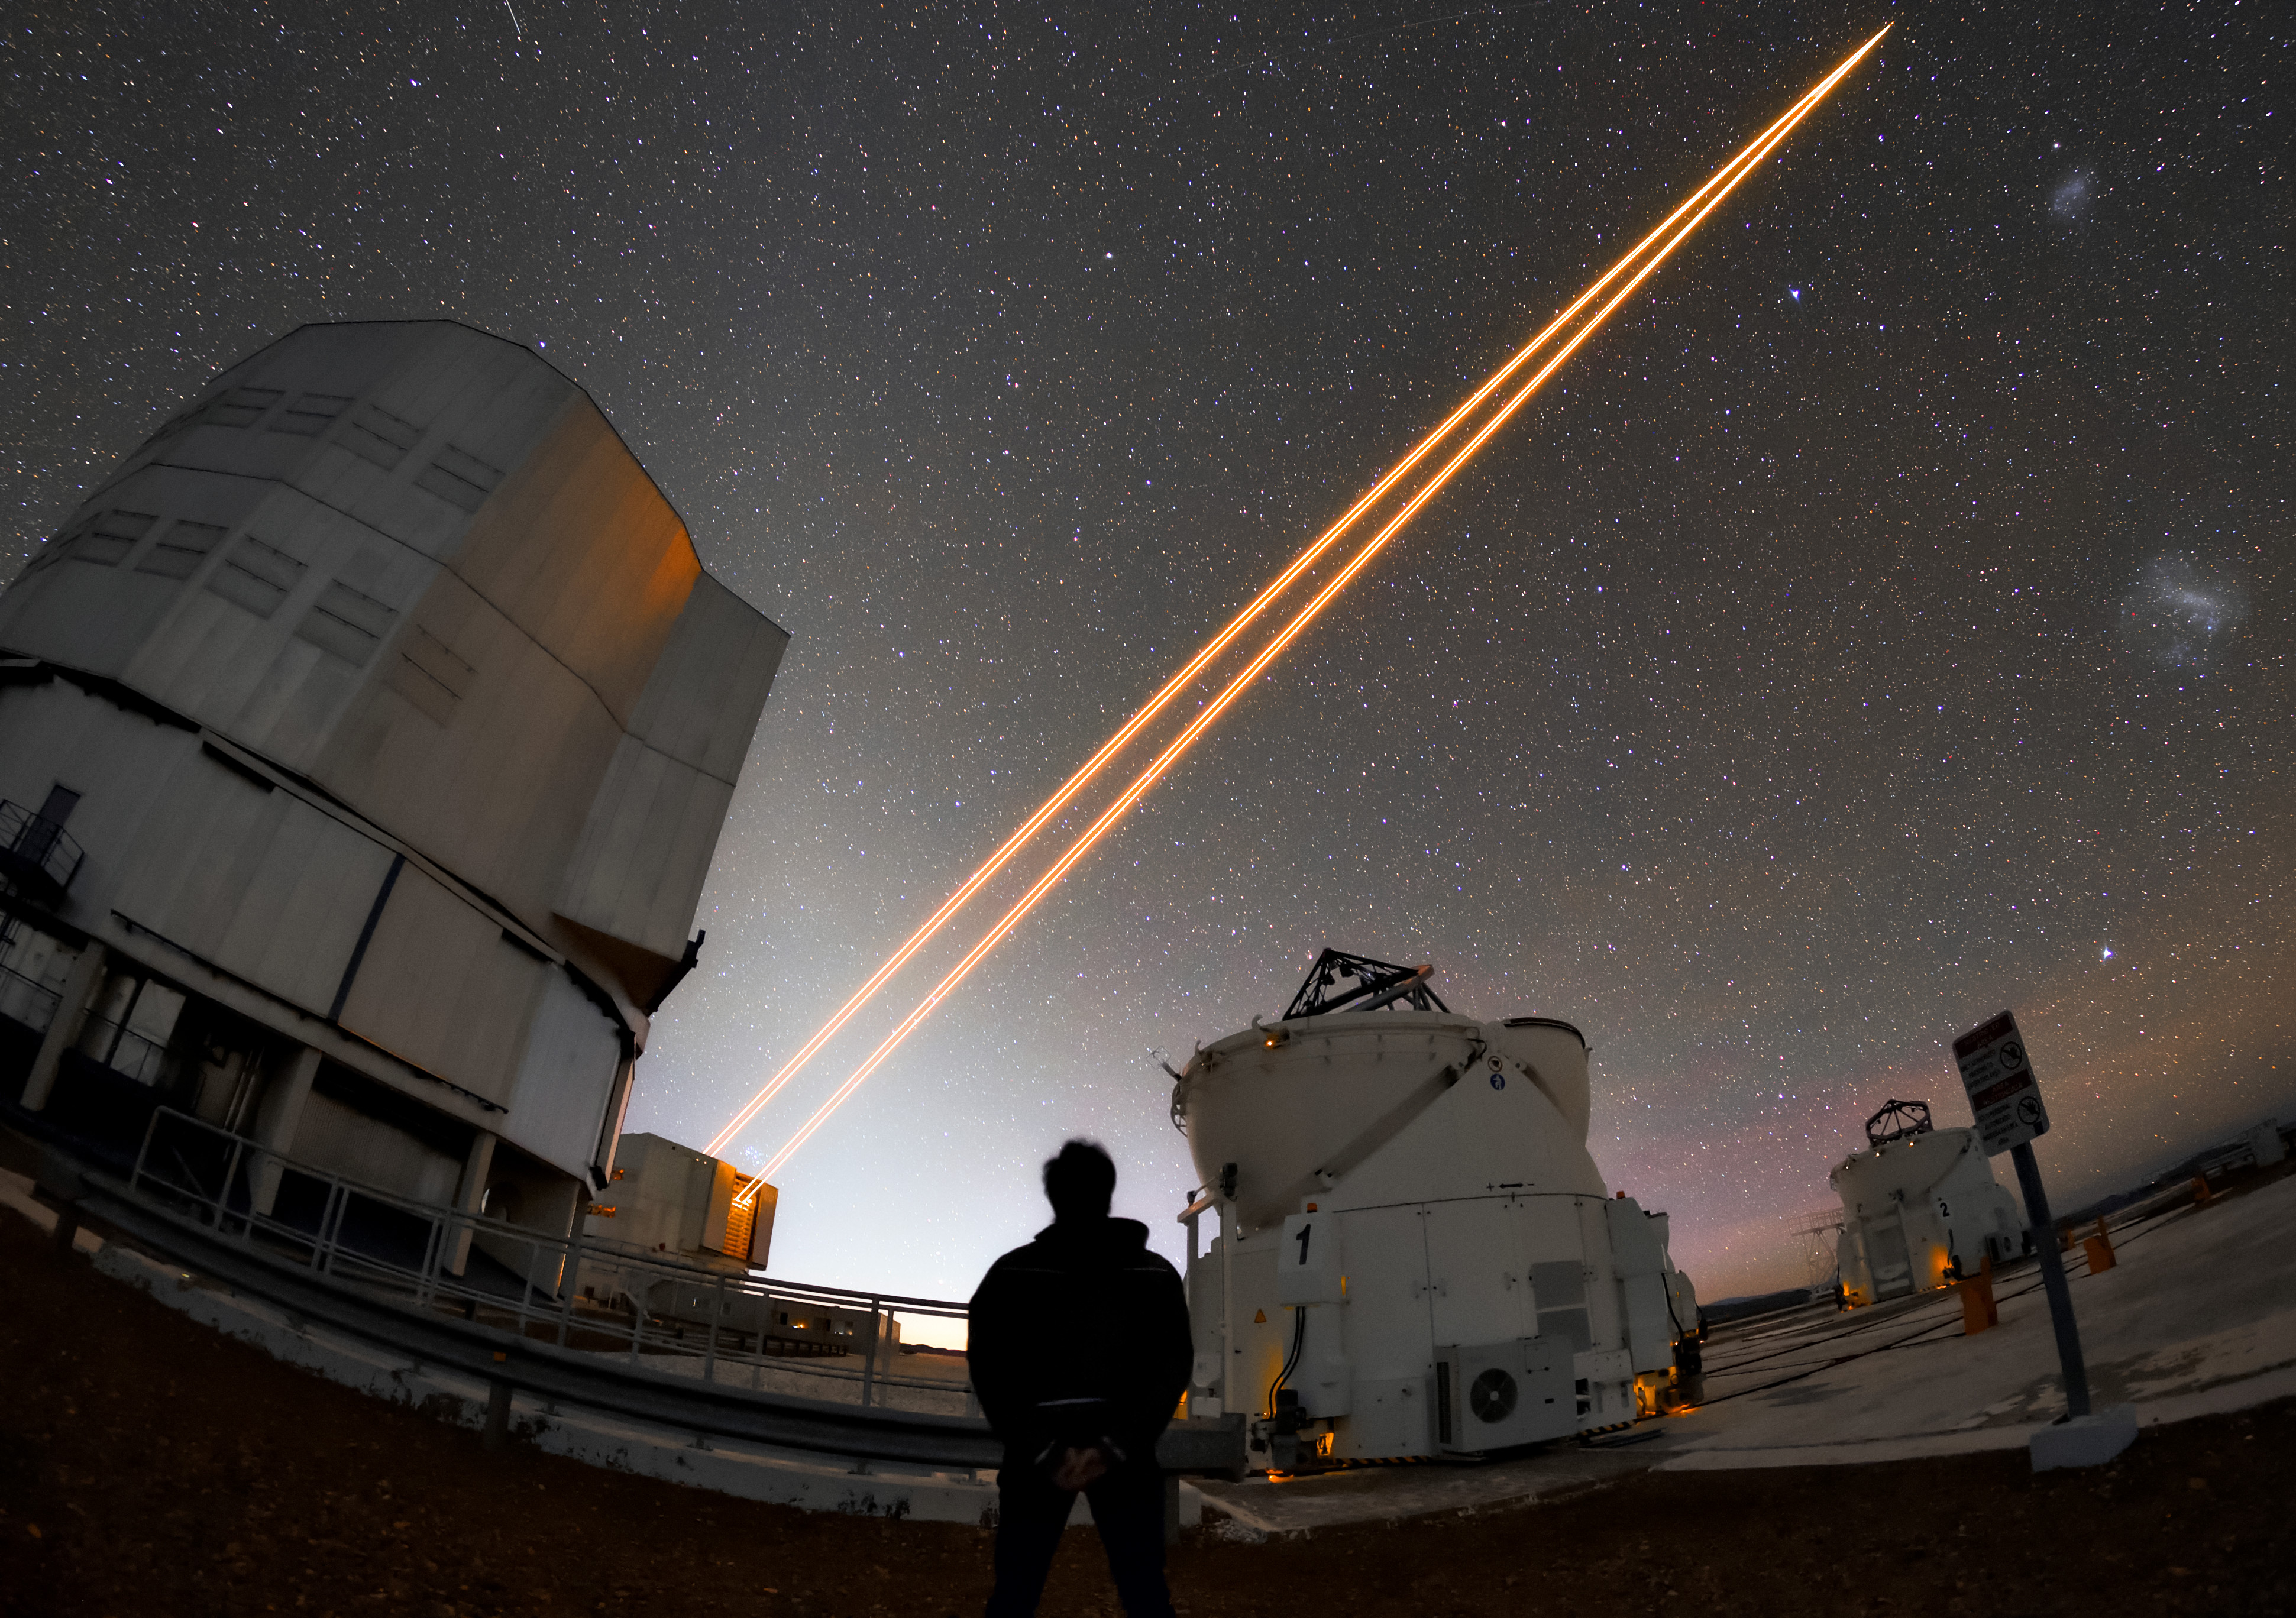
<point>1673,232</point>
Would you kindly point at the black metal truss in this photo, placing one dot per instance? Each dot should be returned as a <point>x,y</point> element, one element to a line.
<point>1381,982</point>
<point>1896,1121</point>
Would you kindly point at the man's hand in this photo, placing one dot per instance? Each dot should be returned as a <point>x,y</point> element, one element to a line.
<point>1079,1469</point>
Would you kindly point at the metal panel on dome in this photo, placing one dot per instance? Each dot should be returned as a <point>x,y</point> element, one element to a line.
<point>645,850</point>
<point>260,883</point>
<point>650,834</point>
<point>719,664</point>
<point>441,986</point>
<point>581,553</point>
<point>564,1075</point>
<point>1480,1286</point>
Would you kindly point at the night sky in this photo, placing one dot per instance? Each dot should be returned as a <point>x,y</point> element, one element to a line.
<point>1885,621</point>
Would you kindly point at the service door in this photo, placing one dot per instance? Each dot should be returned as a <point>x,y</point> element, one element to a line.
<point>1886,1259</point>
<point>1389,1350</point>
<point>1479,1291</point>
<point>1385,1315</point>
<point>1553,1251</point>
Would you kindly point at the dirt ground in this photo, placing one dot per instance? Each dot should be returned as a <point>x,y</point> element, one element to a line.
<point>148,1467</point>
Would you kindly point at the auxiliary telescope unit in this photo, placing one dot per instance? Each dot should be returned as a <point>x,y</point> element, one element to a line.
<point>1919,1207</point>
<point>1416,1255</point>
<point>670,1205</point>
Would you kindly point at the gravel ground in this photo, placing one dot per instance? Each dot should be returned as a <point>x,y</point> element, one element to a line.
<point>148,1467</point>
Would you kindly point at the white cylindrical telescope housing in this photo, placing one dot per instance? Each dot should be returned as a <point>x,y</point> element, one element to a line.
<point>1412,1223</point>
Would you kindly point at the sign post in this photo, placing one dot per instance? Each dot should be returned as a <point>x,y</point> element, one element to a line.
<point>1998,1075</point>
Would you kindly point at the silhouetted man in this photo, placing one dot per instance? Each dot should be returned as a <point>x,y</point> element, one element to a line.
<point>1079,1352</point>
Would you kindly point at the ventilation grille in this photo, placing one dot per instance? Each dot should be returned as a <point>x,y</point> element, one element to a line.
<point>111,537</point>
<point>257,576</point>
<point>347,623</point>
<point>310,413</point>
<point>376,435</point>
<point>181,549</point>
<point>429,676</point>
<point>740,1224</point>
<point>239,407</point>
<point>460,478</point>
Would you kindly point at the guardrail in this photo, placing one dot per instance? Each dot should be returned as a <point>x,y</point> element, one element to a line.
<point>36,850</point>
<point>584,1294</point>
<point>115,1045</point>
<point>213,1208</point>
<point>30,1002</point>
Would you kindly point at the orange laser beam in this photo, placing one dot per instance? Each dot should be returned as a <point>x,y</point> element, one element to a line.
<point>1147,779</point>
<point>1212,648</point>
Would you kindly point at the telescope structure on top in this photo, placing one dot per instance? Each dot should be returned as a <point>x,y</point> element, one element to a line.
<point>1416,1253</point>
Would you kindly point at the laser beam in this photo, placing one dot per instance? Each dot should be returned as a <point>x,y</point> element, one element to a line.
<point>1212,648</point>
<point>1219,643</point>
<point>1726,180</point>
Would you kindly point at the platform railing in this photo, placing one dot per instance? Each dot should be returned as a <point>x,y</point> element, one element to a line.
<point>27,1001</point>
<point>32,846</point>
<point>119,1047</point>
<point>588,1293</point>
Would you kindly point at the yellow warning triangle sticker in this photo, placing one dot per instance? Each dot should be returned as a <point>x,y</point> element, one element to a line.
<point>1260,1319</point>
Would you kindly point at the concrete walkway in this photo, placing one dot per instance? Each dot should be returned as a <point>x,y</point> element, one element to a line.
<point>2198,1316</point>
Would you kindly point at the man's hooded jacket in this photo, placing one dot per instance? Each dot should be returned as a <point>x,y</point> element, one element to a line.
<point>1080,1338</point>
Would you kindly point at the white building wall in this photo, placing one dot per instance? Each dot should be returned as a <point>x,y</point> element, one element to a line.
<point>572,1054</point>
<point>445,593</point>
<point>442,986</point>
<point>261,884</point>
<point>338,1137</point>
<point>407,613</point>
<point>1445,1165</point>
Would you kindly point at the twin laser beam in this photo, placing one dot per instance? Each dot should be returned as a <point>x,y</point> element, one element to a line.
<point>1724,182</point>
<point>1674,233</point>
<point>1212,648</point>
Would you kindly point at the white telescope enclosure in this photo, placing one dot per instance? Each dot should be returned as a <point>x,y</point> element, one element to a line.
<point>365,741</point>
<point>1416,1253</point>
<point>1920,1207</point>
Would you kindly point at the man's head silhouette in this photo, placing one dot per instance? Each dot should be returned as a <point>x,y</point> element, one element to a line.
<point>1079,1182</point>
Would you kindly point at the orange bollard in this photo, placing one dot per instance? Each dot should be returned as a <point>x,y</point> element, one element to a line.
<point>2099,1248</point>
<point>1978,1312</point>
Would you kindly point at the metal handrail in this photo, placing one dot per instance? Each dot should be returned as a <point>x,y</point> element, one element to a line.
<point>239,1199</point>
<point>131,1055</point>
<point>39,842</point>
<point>808,1291</point>
<point>17,990</point>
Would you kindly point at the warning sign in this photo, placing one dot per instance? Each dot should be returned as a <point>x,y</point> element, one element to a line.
<point>1998,1075</point>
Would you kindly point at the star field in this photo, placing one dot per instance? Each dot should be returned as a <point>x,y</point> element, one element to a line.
<point>1883,621</point>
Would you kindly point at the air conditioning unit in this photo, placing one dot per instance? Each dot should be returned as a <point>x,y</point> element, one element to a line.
<point>1496,1395</point>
